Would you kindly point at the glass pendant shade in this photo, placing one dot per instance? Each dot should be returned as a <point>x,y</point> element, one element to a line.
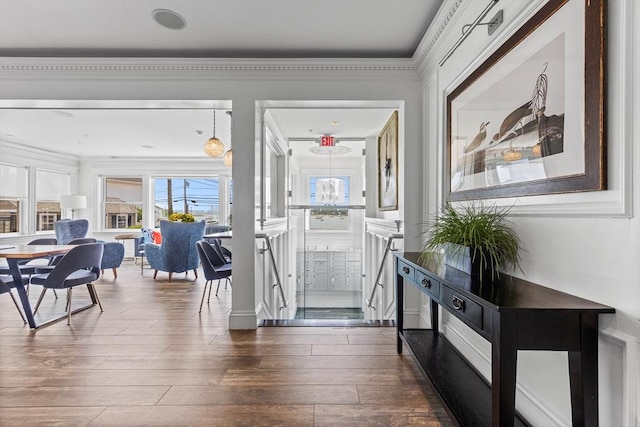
<point>536,150</point>
<point>228,157</point>
<point>214,147</point>
<point>512,155</point>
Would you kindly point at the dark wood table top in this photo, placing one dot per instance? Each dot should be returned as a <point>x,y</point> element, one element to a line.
<point>33,251</point>
<point>506,292</point>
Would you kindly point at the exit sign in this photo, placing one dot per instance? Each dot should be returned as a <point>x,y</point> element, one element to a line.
<point>327,141</point>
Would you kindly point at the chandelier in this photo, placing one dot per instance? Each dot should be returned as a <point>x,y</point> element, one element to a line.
<point>227,159</point>
<point>214,147</point>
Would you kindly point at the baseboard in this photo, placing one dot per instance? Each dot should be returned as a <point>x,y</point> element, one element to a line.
<point>243,320</point>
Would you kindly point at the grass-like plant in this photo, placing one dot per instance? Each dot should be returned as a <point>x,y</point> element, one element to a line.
<point>183,217</point>
<point>483,228</point>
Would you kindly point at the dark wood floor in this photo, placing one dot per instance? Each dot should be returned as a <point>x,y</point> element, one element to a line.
<point>150,359</point>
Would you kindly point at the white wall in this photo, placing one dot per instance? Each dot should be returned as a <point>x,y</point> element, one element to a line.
<point>585,244</point>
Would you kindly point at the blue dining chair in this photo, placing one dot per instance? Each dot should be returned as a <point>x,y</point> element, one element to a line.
<point>80,266</point>
<point>6,284</point>
<point>214,267</point>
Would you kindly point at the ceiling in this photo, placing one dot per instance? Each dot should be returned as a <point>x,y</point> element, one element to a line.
<point>144,132</point>
<point>214,29</point>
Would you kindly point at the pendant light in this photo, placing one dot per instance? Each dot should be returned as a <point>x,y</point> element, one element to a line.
<point>512,155</point>
<point>214,147</point>
<point>227,159</point>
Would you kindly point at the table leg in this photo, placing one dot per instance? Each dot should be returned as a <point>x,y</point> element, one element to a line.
<point>583,374</point>
<point>22,293</point>
<point>434,316</point>
<point>399,308</point>
<point>504,356</point>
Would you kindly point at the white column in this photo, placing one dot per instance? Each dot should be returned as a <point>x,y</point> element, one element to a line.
<point>243,302</point>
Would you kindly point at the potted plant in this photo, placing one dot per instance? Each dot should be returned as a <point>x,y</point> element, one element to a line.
<point>181,217</point>
<point>476,238</point>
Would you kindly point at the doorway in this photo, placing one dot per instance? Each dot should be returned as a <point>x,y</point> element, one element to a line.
<point>327,155</point>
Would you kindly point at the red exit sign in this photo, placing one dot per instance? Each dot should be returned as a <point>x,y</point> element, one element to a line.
<point>327,141</point>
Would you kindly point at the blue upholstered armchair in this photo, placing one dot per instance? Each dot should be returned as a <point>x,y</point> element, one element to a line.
<point>178,251</point>
<point>69,229</point>
<point>112,257</point>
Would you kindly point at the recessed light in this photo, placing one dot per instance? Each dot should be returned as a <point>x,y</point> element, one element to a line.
<point>169,19</point>
<point>147,146</point>
<point>335,123</point>
<point>200,132</point>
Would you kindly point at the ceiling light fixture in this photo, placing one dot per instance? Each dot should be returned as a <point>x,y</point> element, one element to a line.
<point>214,147</point>
<point>227,159</point>
<point>537,150</point>
<point>512,155</point>
<point>336,150</point>
<point>169,19</point>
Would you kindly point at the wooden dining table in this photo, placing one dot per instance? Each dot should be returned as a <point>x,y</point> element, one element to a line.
<point>16,253</point>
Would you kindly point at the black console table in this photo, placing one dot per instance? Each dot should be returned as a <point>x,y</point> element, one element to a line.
<point>513,315</point>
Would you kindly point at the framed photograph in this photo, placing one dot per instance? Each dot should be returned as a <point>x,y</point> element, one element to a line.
<point>530,120</point>
<point>388,165</point>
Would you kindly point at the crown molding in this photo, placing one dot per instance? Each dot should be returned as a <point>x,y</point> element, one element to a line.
<point>23,67</point>
<point>434,34</point>
<point>12,152</point>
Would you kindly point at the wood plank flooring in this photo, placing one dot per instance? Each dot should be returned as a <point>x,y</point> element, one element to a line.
<point>150,359</point>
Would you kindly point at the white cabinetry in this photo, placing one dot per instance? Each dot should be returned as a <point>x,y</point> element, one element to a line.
<point>339,271</point>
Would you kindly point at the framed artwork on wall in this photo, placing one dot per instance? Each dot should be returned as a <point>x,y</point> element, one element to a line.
<point>388,165</point>
<point>530,120</point>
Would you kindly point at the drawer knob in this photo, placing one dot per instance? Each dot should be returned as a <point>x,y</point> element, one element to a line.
<point>405,270</point>
<point>458,303</point>
<point>426,283</point>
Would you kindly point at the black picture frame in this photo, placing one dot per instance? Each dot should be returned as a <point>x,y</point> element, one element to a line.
<point>502,143</point>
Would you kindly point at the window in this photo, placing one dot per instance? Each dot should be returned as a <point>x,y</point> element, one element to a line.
<point>45,221</point>
<point>49,187</point>
<point>326,192</point>
<point>13,196</point>
<point>122,221</point>
<point>123,202</point>
<point>199,197</point>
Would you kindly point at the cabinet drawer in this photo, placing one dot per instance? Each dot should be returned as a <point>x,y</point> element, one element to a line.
<point>462,307</point>
<point>430,285</point>
<point>407,271</point>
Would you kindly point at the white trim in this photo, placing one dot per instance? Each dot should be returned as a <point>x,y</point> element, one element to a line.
<point>382,227</point>
<point>240,319</point>
<point>630,348</point>
<point>206,68</point>
<point>433,34</point>
<point>412,318</point>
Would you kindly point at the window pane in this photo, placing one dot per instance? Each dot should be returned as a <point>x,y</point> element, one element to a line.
<point>123,202</point>
<point>13,182</point>
<point>49,187</point>
<point>196,196</point>
<point>13,194</point>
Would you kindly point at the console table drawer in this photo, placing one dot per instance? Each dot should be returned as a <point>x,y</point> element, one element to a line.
<point>407,271</point>
<point>462,307</point>
<point>430,285</point>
